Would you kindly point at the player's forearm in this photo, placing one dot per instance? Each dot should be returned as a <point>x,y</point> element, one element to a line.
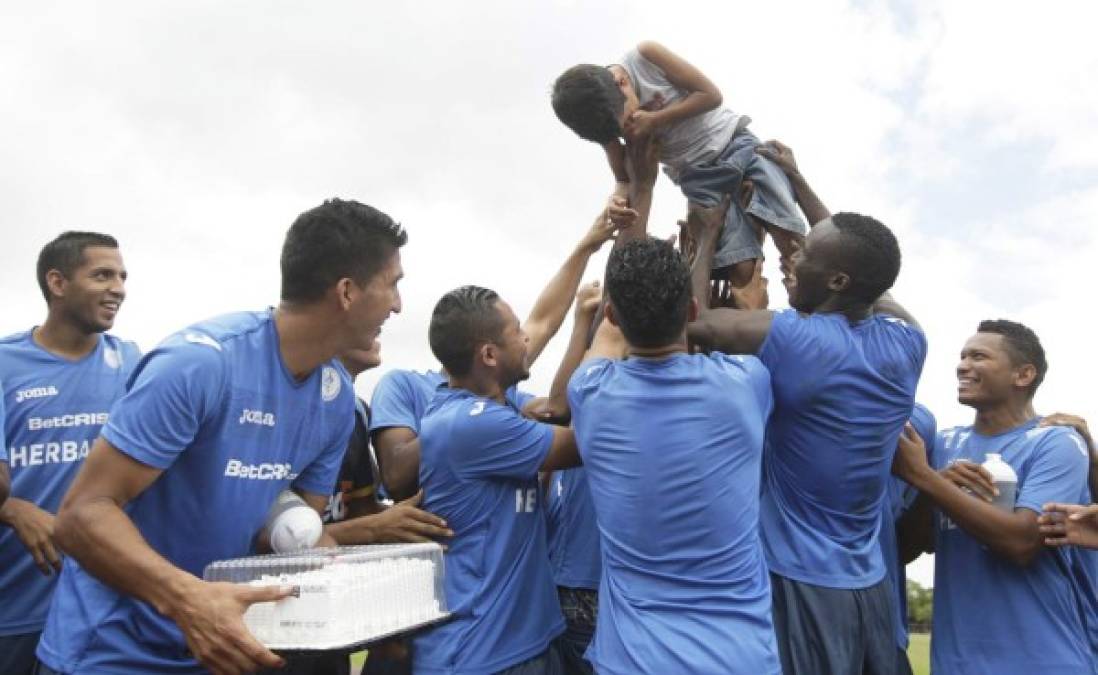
<point>813,208</point>
<point>1008,534</point>
<point>354,531</point>
<point>615,157</point>
<point>10,509</point>
<point>573,355</point>
<point>104,540</point>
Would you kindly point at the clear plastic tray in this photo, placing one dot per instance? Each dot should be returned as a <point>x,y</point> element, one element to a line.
<point>346,597</point>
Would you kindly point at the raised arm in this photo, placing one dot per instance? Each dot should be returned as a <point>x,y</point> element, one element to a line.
<point>702,95</point>
<point>552,305</point>
<point>93,528</point>
<point>563,453</point>
<point>782,155</point>
<point>734,331</point>
<point>587,304</point>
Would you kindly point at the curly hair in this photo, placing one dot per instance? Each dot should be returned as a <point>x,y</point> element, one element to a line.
<point>649,287</point>
<point>869,253</point>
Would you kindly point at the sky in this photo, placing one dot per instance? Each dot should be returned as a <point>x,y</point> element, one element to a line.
<point>196,132</point>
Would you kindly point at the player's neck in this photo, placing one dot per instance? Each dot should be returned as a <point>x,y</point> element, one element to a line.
<point>305,340</point>
<point>481,384</point>
<point>854,311</point>
<point>63,338</point>
<point>1003,417</point>
<point>657,352</point>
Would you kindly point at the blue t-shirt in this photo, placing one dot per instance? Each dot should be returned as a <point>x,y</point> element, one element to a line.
<point>991,615</point>
<point>672,449</point>
<point>899,499</point>
<point>479,468</point>
<point>573,534</point>
<point>401,397</point>
<point>215,408</point>
<point>55,408</point>
<point>842,394</point>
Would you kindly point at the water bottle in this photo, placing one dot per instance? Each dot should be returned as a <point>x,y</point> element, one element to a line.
<point>1006,481</point>
<point>293,525</point>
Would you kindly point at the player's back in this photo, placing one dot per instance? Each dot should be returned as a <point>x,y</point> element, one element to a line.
<point>672,448</point>
<point>842,393</point>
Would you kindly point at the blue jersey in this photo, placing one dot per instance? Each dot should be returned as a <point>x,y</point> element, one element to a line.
<point>899,499</point>
<point>216,410</point>
<point>991,615</point>
<point>842,393</point>
<point>479,467</point>
<point>573,535</point>
<point>672,450</point>
<point>55,407</point>
<point>401,397</point>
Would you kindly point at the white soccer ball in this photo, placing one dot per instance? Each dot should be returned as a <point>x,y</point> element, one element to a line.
<point>296,528</point>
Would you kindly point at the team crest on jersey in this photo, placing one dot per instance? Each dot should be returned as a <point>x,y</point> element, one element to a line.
<point>200,339</point>
<point>329,383</point>
<point>112,358</point>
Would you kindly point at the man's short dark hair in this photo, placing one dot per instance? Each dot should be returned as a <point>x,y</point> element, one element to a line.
<point>1022,345</point>
<point>464,319</point>
<point>337,240</point>
<point>649,286</point>
<point>66,253</point>
<point>869,253</point>
<point>589,102</point>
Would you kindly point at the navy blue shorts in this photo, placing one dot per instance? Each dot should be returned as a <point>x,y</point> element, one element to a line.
<point>834,630</point>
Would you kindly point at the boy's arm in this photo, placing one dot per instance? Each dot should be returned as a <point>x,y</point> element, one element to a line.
<point>703,95</point>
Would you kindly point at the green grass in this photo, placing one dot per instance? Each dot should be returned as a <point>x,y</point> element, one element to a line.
<point>918,650</point>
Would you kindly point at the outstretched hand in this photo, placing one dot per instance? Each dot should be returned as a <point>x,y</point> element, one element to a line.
<point>780,154</point>
<point>1070,525</point>
<point>588,299</point>
<point>910,458</point>
<point>406,522</point>
<point>616,216</point>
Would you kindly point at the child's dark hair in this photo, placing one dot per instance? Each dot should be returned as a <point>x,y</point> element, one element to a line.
<point>587,99</point>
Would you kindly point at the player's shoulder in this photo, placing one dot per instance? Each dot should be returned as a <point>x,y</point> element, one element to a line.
<point>591,373</point>
<point>120,353</point>
<point>401,377</point>
<point>1057,439</point>
<point>747,363</point>
<point>16,345</point>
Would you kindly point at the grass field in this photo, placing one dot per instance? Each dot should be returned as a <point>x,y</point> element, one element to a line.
<point>918,650</point>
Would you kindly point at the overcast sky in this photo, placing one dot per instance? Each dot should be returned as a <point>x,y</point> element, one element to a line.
<point>195,132</point>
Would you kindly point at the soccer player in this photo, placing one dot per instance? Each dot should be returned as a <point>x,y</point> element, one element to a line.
<point>844,363</point>
<point>401,397</point>
<point>1003,602</point>
<point>672,445</point>
<point>479,472</point>
<point>59,382</point>
<point>215,422</point>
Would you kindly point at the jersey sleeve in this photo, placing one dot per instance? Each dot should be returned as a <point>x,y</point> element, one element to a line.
<point>757,376</point>
<point>583,381</point>
<point>493,441</point>
<point>1056,472</point>
<point>168,396</point>
<point>393,403</point>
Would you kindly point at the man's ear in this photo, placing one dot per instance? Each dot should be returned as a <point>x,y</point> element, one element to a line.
<point>608,312</point>
<point>56,282</point>
<point>489,354</point>
<point>839,282</point>
<point>346,291</point>
<point>1024,376</point>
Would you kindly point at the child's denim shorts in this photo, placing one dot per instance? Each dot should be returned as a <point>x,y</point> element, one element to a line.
<point>772,201</point>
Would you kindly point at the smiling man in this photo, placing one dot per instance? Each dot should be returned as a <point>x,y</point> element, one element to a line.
<point>59,382</point>
<point>215,422</point>
<point>1003,602</point>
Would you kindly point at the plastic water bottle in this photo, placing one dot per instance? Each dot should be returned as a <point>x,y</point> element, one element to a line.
<point>293,525</point>
<point>1006,481</point>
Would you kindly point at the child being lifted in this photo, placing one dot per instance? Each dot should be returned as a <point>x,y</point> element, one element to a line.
<point>705,148</point>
